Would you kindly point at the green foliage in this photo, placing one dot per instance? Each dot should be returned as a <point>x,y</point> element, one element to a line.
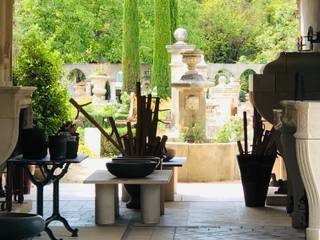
<point>244,80</point>
<point>83,31</point>
<point>227,31</point>
<point>107,149</point>
<point>194,134</point>
<point>130,53</point>
<point>162,37</point>
<point>173,16</point>
<point>76,75</point>
<point>230,132</point>
<point>279,31</point>
<point>36,65</point>
<point>242,96</point>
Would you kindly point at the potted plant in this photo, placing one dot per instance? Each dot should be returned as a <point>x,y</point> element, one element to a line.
<point>256,166</point>
<point>69,129</point>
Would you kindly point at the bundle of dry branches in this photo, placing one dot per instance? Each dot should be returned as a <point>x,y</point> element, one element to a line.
<point>145,141</point>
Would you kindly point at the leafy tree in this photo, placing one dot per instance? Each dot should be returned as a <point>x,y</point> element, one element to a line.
<point>280,30</point>
<point>83,31</point>
<point>162,37</point>
<point>36,65</point>
<point>130,53</point>
<point>228,30</point>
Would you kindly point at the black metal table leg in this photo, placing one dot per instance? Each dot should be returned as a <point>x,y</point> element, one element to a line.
<point>56,216</point>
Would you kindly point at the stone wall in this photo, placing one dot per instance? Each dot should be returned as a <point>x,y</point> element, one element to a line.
<point>207,162</point>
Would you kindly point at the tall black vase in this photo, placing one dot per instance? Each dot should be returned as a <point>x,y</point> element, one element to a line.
<point>255,177</point>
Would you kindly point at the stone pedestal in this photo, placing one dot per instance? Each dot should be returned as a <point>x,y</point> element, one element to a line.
<point>178,67</point>
<point>190,89</point>
<point>308,152</point>
<point>297,204</point>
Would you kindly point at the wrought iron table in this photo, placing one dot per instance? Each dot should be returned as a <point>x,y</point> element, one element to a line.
<point>49,173</point>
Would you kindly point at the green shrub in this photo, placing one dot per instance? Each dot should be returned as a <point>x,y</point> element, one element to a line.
<point>230,132</point>
<point>194,134</point>
<point>36,65</point>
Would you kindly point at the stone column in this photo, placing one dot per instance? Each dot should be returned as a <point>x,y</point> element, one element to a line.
<point>6,8</point>
<point>308,152</point>
<point>310,16</point>
<point>297,203</point>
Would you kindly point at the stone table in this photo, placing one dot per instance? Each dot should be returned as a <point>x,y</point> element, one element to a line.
<point>107,202</point>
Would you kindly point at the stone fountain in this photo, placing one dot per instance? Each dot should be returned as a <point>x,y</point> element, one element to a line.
<point>190,93</point>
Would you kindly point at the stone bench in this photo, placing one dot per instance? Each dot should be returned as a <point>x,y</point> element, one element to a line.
<point>107,200</point>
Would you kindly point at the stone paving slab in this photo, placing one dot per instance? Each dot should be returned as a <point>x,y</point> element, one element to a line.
<point>214,233</point>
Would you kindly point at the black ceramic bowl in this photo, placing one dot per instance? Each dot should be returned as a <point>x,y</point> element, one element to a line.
<point>131,168</point>
<point>17,226</point>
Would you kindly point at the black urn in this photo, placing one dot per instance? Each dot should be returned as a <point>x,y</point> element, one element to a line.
<point>20,226</point>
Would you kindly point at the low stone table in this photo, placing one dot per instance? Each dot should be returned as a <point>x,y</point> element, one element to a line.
<point>107,201</point>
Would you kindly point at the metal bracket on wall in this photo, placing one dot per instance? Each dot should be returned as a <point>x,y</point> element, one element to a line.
<point>311,38</point>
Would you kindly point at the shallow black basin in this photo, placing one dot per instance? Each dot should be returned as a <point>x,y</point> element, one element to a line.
<point>18,226</point>
<point>132,167</point>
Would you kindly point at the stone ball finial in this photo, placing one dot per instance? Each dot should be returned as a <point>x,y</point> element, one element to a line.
<point>181,35</point>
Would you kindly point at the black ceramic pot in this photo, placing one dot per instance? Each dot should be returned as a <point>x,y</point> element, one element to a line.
<point>19,226</point>
<point>58,147</point>
<point>255,177</point>
<point>133,166</point>
<point>72,146</point>
<point>33,143</point>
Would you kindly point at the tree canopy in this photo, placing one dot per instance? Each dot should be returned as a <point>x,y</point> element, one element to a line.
<point>227,31</point>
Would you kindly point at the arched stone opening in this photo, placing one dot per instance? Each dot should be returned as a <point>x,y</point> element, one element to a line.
<point>76,76</point>
<point>244,83</point>
<point>223,75</point>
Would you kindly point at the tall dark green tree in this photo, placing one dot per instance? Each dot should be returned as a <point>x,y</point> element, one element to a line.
<point>130,52</point>
<point>173,16</point>
<point>162,37</point>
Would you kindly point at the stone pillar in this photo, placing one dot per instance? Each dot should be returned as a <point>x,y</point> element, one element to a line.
<point>310,16</point>
<point>6,8</point>
<point>178,68</point>
<point>308,152</point>
<point>297,204</point>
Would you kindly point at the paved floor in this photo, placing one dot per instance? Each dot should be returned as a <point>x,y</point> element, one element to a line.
<point>201,212</point>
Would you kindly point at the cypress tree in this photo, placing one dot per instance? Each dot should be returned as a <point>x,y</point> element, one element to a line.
<point>130,51</point>
<point>162,37</point>
<point>173,16</point>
